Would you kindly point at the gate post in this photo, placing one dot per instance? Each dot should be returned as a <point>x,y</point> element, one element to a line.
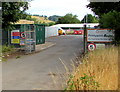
<point>85,39</point>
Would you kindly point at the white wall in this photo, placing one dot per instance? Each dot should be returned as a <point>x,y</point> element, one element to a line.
<point>51,31</point>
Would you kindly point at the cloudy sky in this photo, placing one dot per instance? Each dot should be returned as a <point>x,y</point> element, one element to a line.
<point>59,7</point>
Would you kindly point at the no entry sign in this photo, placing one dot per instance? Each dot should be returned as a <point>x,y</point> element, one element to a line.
<point>91,46</point>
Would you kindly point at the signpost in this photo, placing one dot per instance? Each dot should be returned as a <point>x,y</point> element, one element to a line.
<point>85,43</point>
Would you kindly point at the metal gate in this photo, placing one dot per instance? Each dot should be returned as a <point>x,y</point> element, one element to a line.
<point>28,37</point>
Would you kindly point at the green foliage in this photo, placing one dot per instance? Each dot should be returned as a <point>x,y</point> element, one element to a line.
<point>54,18</point>
<point>18,57</point>
<point>112,20</point>
<point>83,83</point>
<point>89,19</point>
<point>68,19</point>
<point>7,48</point>
<point>109,14</point>
<point>104,7</point>
<point>12,12</point>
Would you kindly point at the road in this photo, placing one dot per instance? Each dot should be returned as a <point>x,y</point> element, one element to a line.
<point>43,70</point>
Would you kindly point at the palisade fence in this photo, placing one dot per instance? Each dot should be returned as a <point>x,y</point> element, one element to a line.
<point>25,36</point>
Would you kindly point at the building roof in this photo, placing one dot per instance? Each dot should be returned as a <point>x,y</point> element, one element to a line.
<point>76,25</point>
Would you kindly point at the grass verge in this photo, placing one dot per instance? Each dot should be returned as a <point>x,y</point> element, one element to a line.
<point>98,71</point>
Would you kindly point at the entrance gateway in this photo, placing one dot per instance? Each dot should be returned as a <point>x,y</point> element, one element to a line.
<point>24,37</point>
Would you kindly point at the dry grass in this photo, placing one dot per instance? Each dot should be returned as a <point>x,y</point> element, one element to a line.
<point>42,19</point>
<point>103,64</point>
<point>23,21</point>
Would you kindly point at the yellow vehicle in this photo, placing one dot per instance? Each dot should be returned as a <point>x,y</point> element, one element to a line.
<point>61,32</point>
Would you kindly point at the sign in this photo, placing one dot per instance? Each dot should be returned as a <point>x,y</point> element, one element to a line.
<point>100,35</point>
<point>15,37</point>
<point>22,35</point>
<point>91,47</point>
<point>100,46</point>
<point>15,41</point>
<point>22,42</point>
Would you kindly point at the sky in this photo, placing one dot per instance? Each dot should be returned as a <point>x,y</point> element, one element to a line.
<point>59,7</point>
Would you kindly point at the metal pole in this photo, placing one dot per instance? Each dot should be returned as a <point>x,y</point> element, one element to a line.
<point>85,37</point>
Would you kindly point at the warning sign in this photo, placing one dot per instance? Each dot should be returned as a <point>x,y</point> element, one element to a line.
<point>15,41</point>
<point>15,37</point>
<point>22,35</point>
<point>91,47</point>
<point>22,42</point>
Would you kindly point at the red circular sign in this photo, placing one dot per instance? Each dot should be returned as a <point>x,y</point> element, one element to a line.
<point>91,47</point>
<point>22,35</point>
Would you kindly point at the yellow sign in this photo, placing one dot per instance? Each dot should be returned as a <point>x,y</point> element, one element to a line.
<point>15,41</point>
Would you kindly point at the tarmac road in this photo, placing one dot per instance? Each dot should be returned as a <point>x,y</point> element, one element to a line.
<point>43,70</point>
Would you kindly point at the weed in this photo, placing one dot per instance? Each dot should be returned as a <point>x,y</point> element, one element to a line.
<point>82,83</point>
<point>18,57</point>
<point>6,49</point>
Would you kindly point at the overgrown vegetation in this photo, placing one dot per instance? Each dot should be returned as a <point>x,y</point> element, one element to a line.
<point>109,14</point>
<point>5,51</point>
<point>98,71</point>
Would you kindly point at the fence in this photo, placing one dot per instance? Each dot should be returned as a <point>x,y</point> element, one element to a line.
<point>51,31</point>
<point>40,33</point>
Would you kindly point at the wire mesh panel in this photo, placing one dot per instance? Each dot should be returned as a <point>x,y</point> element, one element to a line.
<point>28,38</point>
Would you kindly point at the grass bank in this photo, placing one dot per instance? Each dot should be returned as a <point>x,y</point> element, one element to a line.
<point>98,71</point>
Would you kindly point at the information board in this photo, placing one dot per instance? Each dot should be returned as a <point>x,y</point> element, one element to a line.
<point>100,35</point>
<point>15,37</point>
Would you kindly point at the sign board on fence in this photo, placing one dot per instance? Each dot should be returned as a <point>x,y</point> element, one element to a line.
<point>23,35</point>
<point>100,35</point>
<point>15,37</point>
<point>22,42</point>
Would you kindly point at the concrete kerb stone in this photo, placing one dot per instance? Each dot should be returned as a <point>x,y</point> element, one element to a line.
<point>41,47</point>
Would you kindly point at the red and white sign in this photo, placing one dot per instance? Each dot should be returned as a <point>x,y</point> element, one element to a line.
<point>22,35</point>
<point>91,47</point>
<point>100,35</point>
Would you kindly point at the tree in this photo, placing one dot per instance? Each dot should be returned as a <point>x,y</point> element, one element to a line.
<point>89,19</point>
<point>109,14</point>
<point>54,18</point>
<point>68,19</point>
<point>12,12</point>
<point>104,7</point>
<point>111,20</point>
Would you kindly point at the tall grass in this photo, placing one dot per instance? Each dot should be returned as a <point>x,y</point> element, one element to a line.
<point>99,68</point>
